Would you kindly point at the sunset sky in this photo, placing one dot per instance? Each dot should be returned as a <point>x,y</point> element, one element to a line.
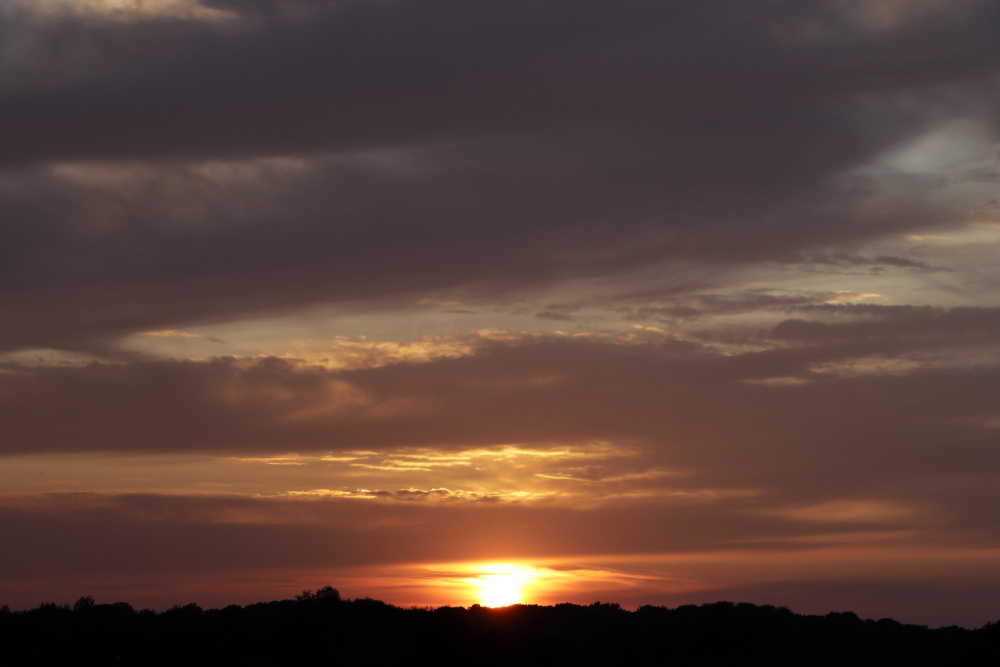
<point>438,301</point>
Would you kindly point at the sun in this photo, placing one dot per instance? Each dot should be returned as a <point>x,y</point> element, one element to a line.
<point>502,585</point>
<point>500,590</point>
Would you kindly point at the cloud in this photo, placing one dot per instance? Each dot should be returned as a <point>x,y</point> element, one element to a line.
<point>167,173</point>
<point>681,551</point>
<point>94,253</point>
<point>731,202</point>
<point>269,8</point>
<point>342,531</point>
<point>423,495</point>
<point>360,75</point>
<point>919,326</point>
<point>674,405</point>
<point>706,305</point>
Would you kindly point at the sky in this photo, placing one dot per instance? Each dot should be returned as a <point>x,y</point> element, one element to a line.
<point>636,301</point>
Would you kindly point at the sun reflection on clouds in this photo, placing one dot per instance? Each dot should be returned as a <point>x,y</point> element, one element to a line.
<point>577,476</point>
<point>848,296</point>
<point>582,475</point>
<point>122,10</point>
<point>428,495</point>
<point>414,458</point>
<point>348,353</point>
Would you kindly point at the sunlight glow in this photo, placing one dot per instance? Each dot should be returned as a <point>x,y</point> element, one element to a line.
<point>502,584</point>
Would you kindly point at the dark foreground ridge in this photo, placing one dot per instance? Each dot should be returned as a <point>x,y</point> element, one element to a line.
<point>321,628</point>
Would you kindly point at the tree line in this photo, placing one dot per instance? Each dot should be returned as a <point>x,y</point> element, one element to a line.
<point>322,628</point>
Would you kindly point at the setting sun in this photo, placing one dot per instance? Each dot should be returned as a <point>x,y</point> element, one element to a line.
<point>679,321</point>
<point>502,585</point>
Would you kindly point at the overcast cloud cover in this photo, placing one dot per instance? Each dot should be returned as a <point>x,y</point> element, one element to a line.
<point>690,300</point>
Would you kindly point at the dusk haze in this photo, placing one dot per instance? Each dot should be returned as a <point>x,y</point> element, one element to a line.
<point>495,302</point>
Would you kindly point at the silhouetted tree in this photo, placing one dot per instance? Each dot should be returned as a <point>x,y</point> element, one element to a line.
<point>86,603</point>
<point>321,628</point>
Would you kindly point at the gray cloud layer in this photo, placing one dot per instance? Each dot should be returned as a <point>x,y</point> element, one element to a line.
<point>685,409</point>
<point>373,74</point>
<point>446,144</point>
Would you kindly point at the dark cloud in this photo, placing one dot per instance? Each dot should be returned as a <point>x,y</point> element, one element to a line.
<point>370,74</point>
<point>154,533</point>
<point>695,306</point>
<point>557,313</point>
<point>183,245</point>
<point>126,538</point>
<point>878,263</point>
<point>449,144</point>
<point>683,408</point>
<point>922,326</point>
<point>157,534</point>
<point>268,8</point>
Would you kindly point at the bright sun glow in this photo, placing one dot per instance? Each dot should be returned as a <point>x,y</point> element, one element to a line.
<point>500,585</point>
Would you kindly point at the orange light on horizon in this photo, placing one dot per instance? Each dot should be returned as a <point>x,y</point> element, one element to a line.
<point>503,584</point>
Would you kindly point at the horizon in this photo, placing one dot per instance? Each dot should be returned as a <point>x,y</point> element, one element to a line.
<point>321,592</point>
<point>451,300</point>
